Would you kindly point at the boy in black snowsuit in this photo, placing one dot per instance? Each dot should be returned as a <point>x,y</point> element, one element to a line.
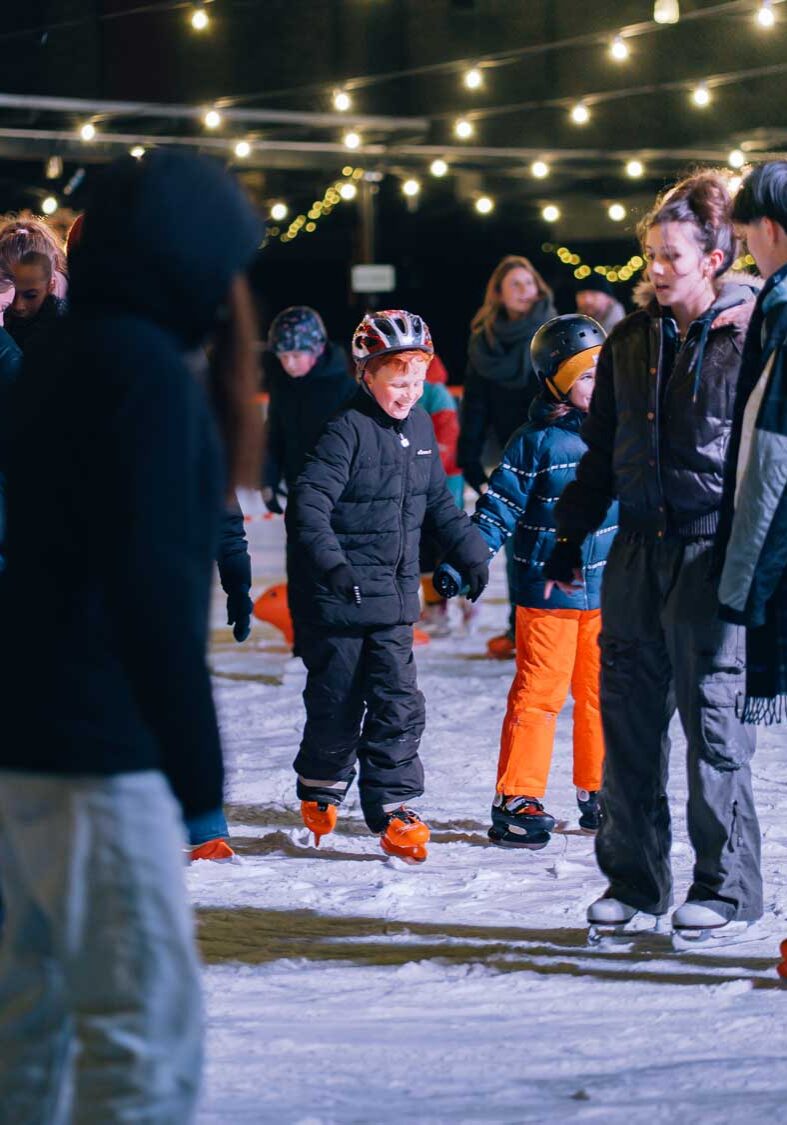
<point>354,523</point>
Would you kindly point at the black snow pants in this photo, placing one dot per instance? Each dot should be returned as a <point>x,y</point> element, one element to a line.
<point>362,704</point>
<point>662,645</point>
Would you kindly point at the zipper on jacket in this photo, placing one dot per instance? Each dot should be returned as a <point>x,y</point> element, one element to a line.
<point>657,423</point>
<point>404,445</point>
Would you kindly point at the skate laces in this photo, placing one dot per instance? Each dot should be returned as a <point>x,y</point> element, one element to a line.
<point>522,806</point>
<point>405,814</point>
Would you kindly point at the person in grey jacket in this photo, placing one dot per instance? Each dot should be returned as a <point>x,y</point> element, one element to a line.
<point>657,436</point>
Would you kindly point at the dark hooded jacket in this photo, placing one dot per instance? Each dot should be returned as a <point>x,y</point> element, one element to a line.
<point>105,600</point>
<point>298,411</point>
<point>362,499</point>
<point>500,385</point>
<point>659,424</point>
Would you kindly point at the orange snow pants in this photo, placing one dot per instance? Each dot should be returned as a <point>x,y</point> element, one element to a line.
<point>555,649</point>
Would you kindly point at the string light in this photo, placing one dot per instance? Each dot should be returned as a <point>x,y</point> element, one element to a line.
<point>212,119</point>
<point>463,128</point>
<point>438,168</point>
<point>635,169</point>
<point>411,188</point>
<point>733,184</point>
<point>199,18</point>
<point>580,114</point>
<point>736,159</point>
<point>348,192</point>
<point>50,205</point>
<point>616,212</point>
<point>279,212</point>
<point>54,168</point>
<point>352,140</point>
<point>550,213</point>
<point>484,205</point>
<point>334,193</point>
<point>88,131</point>
<point>137,152</point>
<point>242,149</point>
<point>666,11</point>
<point>618,49</point>
<point>765,15</point>
<point>583,269</point>
<point>540,169</point>
<point>473,79</point>
<point>700,95</point>
<point>342,101</point>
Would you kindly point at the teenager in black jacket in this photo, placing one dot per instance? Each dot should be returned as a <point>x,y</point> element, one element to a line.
<point>354,521</point>
<point>109,730</point>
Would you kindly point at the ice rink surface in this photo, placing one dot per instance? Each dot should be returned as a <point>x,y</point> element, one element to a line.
<point>344,987</point>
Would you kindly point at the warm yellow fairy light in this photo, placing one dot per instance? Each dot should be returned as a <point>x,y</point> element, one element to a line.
<point>242,149</point>
<point>765,15</point>
<point>50,205</point>
<point>411,187</point>
<point>279,212</point>
<point>580,114</point>
<point>342,101</point>
<point>473,79</point>
<point>618,49</point>
<point>352,140</point>
<point>700,95</point>
<point>463,128</point>
<point>137,152</point>
<point>736,159</point>
<point>666,11</point>
<point>484,205</point>
<point>438,168</point>
<point>540,169</point>
<point>550,213</point>
<point>212,119</point>
<point>88,131</point>
<point>200,20</point>
<point>635,169</point>
<point>733,184</point>
<point>348,192</point>
<point>616,212</point>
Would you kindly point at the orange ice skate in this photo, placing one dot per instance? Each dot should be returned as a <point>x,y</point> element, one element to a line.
<point>405,836</point>
<point>319,817</point>
<point>781,968</point>
<point>217,850</point>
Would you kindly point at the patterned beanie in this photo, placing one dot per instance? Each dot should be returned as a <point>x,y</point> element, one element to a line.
<point>297,329</point>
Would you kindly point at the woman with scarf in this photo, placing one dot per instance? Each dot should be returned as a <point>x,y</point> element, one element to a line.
<point>500,383</point>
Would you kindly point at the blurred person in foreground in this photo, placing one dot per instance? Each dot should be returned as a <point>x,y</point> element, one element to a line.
<point>110,732</point>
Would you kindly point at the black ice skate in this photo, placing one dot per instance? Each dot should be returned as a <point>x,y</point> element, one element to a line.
<point>520,822</point>
<point>589,802</point>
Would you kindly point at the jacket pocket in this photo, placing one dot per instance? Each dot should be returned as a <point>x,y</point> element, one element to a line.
<point>618,658</point>
<point>725,742</point>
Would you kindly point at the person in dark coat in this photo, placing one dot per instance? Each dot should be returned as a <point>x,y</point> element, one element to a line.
<point>35,309</point>
<point>354,521</point>
<point>109,728</point>
<point>308,380</point>
<point>499,382</point>
<point>657,435</point>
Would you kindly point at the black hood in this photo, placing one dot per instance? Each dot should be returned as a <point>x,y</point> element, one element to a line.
<point>162,237</point>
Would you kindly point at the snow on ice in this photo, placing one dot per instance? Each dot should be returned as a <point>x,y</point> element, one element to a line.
<point>344,987</point>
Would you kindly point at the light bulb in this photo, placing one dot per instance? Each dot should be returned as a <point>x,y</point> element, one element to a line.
<point>411,187</point>
<point>200,19</point>
<point>212,119</point>
<point>352,140</point>
<point>279,212</point>
<point>616,212</point>
<point>700,95</point>
<point>348,191</point>
<point>473,79</point>
<point>550,213</point>
<point>765,15</point>
<point>50,205</point>
<point>540,169</point>
<point>484,205</point>
<point>733,184</point>
<point>438,168</point>
<point>242,149</point>
<point>342,101</point>
<point>463,128</point>
<point>137,152</point>
<point>88,131</point>
<point>666,11</point>
<point>635,169</point>
<point>618,49</point>
<point>580,114</point>
<point>736,159</point>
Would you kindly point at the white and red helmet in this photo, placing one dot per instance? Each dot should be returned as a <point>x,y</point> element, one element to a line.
<point>388,331</point>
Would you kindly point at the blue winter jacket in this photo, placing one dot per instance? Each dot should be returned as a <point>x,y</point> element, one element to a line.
<point>539,461</point>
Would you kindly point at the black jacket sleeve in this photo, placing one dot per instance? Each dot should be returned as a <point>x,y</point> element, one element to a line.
<point>475,423</point>
<point>316,492</point>
<point>232,555</point>
<point>460,540</point>
<point>273,462</point>
<point>584,503</point>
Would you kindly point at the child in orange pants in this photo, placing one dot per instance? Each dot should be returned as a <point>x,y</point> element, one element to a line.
<point>557,636</point>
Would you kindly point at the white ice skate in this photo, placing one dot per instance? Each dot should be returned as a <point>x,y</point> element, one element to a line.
<point>607,917</point>
<point>694,924</point>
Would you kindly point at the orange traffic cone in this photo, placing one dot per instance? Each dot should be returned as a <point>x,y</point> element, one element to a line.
<point>319,817</point>
<point>272,606</point>
<point>218,851</point>
<point>405,836</point>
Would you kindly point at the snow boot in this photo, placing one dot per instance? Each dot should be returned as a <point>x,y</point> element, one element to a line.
<point>502,647</point>
<point>319,817</point>
<point>589,802</point>
<point>405,835</point>
<point>218,851</point>
<point>520,822</point>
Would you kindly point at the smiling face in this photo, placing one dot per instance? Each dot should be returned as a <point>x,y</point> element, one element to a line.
<point>518,292</point>
<point>396,382</point>
<point>32,287</point>
<point>677,267</point>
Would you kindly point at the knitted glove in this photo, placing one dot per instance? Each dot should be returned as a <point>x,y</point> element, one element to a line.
<point>566,558</point>
<point>270,499</point>
<point>239,607</point>
<point>477,579</point>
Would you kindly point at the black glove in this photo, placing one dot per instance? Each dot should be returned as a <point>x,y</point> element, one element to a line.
<point>475,476</point>
<point>239,607</point>
<point>566,557</point>
<point>342,582</point>
<point>270,499</point>
<point>477,578</point>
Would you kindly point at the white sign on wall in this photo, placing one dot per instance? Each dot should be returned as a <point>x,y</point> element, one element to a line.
<point>373,279</point>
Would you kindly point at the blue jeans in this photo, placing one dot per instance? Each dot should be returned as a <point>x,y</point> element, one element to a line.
<point>207,826</point>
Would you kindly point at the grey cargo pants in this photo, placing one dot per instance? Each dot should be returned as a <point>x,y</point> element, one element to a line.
<point>662,645</point>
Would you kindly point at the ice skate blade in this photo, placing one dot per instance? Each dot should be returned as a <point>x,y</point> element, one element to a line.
<point>532,843</point>
<point>685,938</point>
